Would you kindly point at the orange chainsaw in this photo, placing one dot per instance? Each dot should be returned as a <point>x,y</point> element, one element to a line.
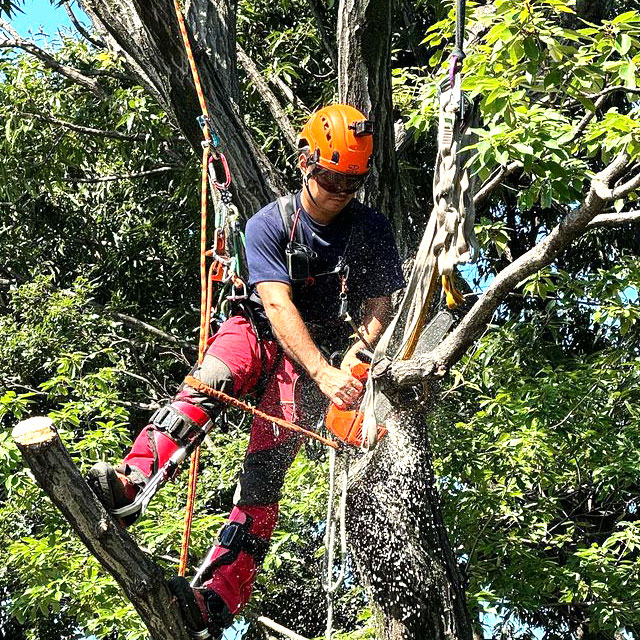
<point>346,425</point>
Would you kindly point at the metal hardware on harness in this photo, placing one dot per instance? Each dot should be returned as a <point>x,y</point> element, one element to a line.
<point>205,125</point>
<point>243,296</point>
<point>343,308</point>
<point>331,586</point>
<point>213,177</point>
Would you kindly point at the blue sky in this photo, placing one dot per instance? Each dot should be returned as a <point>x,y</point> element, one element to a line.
<point>40,16</point>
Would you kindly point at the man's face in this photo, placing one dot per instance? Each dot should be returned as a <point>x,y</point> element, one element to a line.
<point>331,202</point>
<point>330,191</point>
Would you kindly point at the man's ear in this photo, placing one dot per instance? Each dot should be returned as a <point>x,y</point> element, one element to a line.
<point>302,162</point>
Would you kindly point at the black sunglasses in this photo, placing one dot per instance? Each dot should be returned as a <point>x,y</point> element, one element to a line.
<point>338,182</point>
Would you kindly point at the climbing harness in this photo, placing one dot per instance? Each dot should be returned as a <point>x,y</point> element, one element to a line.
<point>449,240</point>
<point>299,256</point>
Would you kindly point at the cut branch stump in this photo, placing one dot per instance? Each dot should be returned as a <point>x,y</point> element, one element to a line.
<point>141,579</point>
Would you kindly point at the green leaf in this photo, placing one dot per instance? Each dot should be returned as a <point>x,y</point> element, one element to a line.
<point>627,17</point>
<point>627,73</point>
<point>531,48</point>
<point>553,79</point>
<point>623,44</point>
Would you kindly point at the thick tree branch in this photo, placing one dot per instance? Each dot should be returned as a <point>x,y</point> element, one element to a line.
<point>364,80</point>
<point>494,181</point>
<point>140,578</point>
<point>90,131</point>
<point>289,95</point>
<point>48,60</point>
<point>623,190</point>
<point>146,37</point>
<point>268,96</point>
<point>437,362</point>
<point>80,29</point>
<point>614,219</point>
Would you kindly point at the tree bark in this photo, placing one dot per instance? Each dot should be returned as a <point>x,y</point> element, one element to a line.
<point>146,36</point>
<point>364,81</point>
<point>394,521</point>
<point>140,578</point>
<point>399,540</point>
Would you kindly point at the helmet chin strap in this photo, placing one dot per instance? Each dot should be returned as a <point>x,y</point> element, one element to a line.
<point>305,182</point>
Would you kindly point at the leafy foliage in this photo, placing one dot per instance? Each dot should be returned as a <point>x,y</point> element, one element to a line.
<point>536,440</point>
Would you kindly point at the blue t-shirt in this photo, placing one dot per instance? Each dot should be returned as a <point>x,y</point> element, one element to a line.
<point>360,234</point>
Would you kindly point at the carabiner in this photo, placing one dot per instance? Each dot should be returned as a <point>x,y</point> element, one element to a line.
<point>221,186</point>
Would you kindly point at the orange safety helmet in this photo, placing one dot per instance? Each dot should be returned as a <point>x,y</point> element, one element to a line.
<point>338,138</point>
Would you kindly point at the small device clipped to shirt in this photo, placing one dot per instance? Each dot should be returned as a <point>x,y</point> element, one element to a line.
<point>299,258</point>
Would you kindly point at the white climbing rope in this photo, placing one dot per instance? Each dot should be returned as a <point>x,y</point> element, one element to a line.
<point>331,585</point>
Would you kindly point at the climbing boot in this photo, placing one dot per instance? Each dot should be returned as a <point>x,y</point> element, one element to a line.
<point>113,489</point>
<point>203,611</point>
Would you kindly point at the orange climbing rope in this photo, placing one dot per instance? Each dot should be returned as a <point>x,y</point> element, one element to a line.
<point>204,298</point>
<point>239,404</point>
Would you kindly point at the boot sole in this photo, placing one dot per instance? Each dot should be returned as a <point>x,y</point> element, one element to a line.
<point>103,481</point>
<point>189,609</point>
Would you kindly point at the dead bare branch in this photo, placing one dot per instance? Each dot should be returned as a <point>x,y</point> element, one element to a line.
<point>317,16</point>
<point>90,131</point>
<point>267,623</point>
<point>80,29</point>
<point>122,176</point>
<point>588,117</point>
<point>494,181</point>
<point>268,96</point>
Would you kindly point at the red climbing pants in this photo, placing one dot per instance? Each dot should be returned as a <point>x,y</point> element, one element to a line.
<point>243,542</point>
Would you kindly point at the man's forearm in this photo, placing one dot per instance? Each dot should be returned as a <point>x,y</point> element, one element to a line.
<point>292,333</point>
<point>376,316</point>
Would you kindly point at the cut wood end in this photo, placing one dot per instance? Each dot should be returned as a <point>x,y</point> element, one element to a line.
<point>37,430</point>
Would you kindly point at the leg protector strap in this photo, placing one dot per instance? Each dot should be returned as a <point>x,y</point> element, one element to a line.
<point>235,537</point>
<point>182,421</point>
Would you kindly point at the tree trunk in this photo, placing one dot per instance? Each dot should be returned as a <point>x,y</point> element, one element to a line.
<point>140,578</point>
<point>146,36</point>
<point>364,80</point>
<point>399,541</point>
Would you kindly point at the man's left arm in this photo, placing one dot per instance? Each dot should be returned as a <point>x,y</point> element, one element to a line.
<point>375,318</point>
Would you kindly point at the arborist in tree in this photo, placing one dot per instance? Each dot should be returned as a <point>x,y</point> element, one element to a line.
<point>314,258</point>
